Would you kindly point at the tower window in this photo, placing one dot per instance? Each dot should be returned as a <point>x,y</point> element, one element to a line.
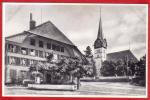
<point>32,42</point>
<point>41,44</point>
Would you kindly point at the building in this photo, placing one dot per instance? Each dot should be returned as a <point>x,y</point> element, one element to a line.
<point>100,54</point>
<point>24,49</point>
<point>100,47</point>
<point>121,55</point>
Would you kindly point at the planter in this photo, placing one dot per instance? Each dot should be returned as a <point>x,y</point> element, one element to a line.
<point>70,87</point>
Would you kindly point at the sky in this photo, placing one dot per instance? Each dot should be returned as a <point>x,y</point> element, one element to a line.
<point>124,26</point>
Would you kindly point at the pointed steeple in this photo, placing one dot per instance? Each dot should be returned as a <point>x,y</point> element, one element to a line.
<point>100,30</point>
<point>100,41</point>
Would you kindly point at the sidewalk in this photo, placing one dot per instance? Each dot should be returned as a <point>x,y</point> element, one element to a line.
<point>107,79</point>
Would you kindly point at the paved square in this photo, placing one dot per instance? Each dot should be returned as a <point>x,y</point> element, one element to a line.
<point>86,88</point>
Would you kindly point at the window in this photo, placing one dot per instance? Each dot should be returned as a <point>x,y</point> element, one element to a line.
<point>41,54</point>
<point>32,52</point>
<point>32,42</point>
<point>53,47</point>
<point>14,61</point>
<point>31,62</point>
<point>62,49</point>
<point>23,62</point>
<point>48,45</point>
<point>24,51</point>
<point>41,44</point>
<point>11,60</point>
<point>36,52</point>
<point>10,47</point>
<point>13,48</point>
<point>57,48</point>
<point>17,60</point>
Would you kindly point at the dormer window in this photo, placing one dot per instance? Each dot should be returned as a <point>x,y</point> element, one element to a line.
<point>32,42</point>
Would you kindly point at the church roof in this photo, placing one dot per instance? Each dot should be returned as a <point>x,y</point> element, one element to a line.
<point>47,30</point>
<point>115,56</point>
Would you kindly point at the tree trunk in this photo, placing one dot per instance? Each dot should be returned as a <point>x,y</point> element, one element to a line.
<point>78,82</point>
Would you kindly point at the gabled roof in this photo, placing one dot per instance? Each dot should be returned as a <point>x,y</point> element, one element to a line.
<point>49,30</point>
<point>115,56</point>
<point>19,38</point>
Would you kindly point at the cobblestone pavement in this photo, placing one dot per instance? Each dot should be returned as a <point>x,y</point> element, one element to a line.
<point>86,88</point>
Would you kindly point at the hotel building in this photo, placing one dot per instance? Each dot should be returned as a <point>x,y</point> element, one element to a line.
<point>24,49</point>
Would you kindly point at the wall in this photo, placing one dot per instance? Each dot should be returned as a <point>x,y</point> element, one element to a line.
<point>68,52</point>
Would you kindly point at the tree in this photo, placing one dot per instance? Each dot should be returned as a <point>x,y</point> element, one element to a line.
<point>141,67</point>
<point>63,71</point>
<point>50,57</point>
<point>140,72</point>
<point>108,68</point>
<point>88,51</point>
<point>119,69</point>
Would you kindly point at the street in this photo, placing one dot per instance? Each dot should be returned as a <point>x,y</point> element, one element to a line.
<point>86,88</point>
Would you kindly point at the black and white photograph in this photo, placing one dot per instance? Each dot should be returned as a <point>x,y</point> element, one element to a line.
<point>75,50</point>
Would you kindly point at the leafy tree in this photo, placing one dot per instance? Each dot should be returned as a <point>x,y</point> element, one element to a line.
<point>88,51</point>
<point>140,72</point>
<point>108,68</point>
<point>119,69</point>
<point>140,69</point>
<point>50,57</point>
<point>63,71</point>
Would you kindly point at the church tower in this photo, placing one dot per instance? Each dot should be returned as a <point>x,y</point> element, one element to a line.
<point>100,46</point>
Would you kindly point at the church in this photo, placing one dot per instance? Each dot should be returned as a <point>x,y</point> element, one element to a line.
<point>100,51</point>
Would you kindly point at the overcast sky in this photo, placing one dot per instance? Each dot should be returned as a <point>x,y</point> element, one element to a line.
<point>124,26</point>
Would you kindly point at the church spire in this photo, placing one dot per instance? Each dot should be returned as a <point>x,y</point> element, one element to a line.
<point>100,30</point>
<point>100,41</point>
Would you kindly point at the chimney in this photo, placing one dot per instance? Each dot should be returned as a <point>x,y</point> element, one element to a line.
<point>32,22</point>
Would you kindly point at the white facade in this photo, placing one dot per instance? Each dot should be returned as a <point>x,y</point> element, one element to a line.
<point>99,57</point>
